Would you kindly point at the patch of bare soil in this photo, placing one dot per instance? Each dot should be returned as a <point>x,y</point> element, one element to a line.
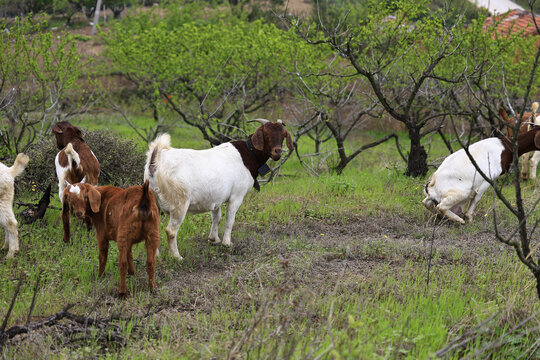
<point>299,7</point>
<point>317,250</point>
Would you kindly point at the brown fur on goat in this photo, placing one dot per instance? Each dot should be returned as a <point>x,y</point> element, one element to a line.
<point>87,165</point>
<point>528,167</point>
<point>127,216</point>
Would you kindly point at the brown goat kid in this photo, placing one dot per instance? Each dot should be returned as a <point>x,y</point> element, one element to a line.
<point>75,161</point>
<point>127,216</point>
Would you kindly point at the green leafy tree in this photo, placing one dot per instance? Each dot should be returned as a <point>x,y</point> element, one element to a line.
<point>37,69</point>
<point>210,73</point>
<point>404,54</point>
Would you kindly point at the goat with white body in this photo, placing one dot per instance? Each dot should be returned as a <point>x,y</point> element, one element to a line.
<point>196,181</point>
<point>7,217</point>
<point>457,181</point>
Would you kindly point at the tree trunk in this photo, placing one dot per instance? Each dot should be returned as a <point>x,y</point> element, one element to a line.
<point>416,164</point>
<point>96,17</point>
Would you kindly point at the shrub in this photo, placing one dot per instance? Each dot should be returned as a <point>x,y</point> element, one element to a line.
<point>122,161</point>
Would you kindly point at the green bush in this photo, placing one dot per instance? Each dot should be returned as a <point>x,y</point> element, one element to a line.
<point>122,161</point>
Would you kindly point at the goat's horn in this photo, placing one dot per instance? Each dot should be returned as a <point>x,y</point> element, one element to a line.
<point>67,183</point>
<point>534,106</point>
<point>83,180</point>
<point>262,121</point>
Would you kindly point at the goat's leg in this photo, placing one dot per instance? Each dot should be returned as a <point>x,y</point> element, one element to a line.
<point>216,217</point>
<point>152,244</point>
<point>103,245</point>
<point>176,219</point>
<point>472,205</point>
<point>232,208</point>
<point>66,215</point>
<point>449,200</point>
<point>481,190</point>
<point>131,268</point>
<point>525,166</point>
<point>61,187</point>
<point>9,223</point>
<point>122,264</point>
<point>535,159</point>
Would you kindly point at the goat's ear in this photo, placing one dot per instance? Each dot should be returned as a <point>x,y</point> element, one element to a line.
<point>257,139</point>
<point>94,197</point>
<point>289,140</point>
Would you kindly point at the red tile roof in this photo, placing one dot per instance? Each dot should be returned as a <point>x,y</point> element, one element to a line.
<point>514,21</point>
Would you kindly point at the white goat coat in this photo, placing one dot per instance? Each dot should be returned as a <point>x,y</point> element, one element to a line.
<point>457,181</point>
<point>205,178</point>
<point>196,181</point>
<point>7,191</point>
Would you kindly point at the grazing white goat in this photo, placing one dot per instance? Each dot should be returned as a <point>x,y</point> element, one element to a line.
<point>196,181</point>
<point>457,181</point>
<point>7,218</point>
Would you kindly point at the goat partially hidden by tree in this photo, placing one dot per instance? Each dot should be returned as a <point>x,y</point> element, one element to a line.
<point>457,181</point>
<point>196,181</point>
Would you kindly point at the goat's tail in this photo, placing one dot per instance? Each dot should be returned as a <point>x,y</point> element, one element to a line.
<point>163,141</point>
<point>19,165</point>
<point>73,157</point>
<point>146,201</point>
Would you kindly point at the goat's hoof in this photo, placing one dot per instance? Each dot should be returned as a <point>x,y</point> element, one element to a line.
<point>10,255</point>
<point>227,244</point>
<point>123,295</point>
<point>131,272</point>
<point>214,241</point>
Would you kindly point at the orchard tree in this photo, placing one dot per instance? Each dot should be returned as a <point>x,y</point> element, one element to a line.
<point>36,71</point>
<point>404,54</point>
<point>212,74</point>
<point>339,106</point>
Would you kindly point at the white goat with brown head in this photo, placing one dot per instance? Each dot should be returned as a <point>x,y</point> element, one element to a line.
<point>196,181</point>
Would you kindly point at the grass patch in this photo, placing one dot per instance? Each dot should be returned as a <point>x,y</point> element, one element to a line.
<point>348,266</point>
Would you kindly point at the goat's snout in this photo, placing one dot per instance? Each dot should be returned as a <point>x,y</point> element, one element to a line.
<point>276,153</point>
<point>79,214</point>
